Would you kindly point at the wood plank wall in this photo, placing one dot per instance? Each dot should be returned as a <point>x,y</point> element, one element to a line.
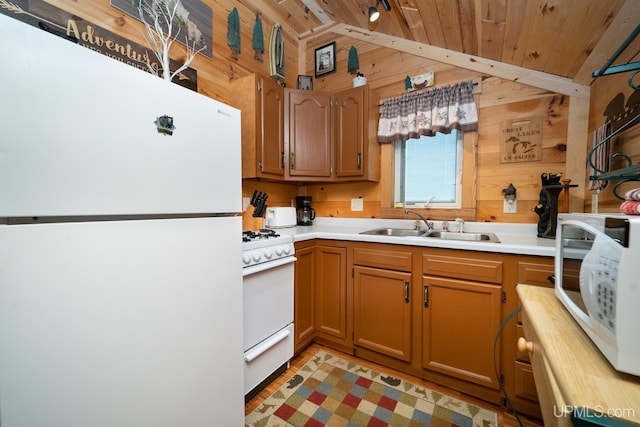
<point>385,70</point>
<point>499,100</point>
<point>614,93</point>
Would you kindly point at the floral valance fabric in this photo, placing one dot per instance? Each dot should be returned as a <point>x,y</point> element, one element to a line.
<point>425,113</point>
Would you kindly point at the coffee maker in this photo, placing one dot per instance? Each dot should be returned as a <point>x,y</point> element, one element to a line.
<point>305,214</point>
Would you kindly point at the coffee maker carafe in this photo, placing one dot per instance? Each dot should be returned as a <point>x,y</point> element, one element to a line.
<point>305,214</point>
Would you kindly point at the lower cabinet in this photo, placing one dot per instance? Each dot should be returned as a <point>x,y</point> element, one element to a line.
<point>459,325</point>
<point>320,296</point>
<point>382,311</point>
<point>331,294</point>
<point>304,295</point>
<point>382,300</point>
<point>430,312</point>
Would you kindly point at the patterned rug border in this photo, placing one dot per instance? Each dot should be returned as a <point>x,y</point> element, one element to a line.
<point>262,416</point>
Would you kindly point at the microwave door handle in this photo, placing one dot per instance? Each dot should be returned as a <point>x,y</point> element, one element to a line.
<point>577,224</point>
<point>583,225</point>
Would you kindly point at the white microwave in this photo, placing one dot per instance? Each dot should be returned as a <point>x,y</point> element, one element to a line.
<point>597,278</point>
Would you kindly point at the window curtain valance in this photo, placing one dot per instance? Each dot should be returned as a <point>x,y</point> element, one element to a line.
<point>424,113</point>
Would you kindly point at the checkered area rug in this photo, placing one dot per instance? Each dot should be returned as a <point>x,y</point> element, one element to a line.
<point>330,391</point>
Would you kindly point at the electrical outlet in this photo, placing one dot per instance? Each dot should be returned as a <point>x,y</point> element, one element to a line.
<point>510,208</point>
<point>245,203</point>
<point>357,205</point>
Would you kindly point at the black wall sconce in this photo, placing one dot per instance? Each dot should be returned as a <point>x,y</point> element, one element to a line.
<point>373,10</point>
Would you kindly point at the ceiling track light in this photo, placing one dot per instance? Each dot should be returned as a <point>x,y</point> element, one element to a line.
<point>373,10</point>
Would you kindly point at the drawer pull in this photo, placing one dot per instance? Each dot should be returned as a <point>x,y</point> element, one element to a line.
<point>524,345</point>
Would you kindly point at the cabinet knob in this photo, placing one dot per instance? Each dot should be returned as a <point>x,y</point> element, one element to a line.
<point>524,345</point>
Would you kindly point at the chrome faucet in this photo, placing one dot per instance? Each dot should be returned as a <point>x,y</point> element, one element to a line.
<point>429,224</point>
<point>460,223</point>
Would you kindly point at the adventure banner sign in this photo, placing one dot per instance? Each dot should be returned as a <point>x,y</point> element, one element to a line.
<point>63,24</point>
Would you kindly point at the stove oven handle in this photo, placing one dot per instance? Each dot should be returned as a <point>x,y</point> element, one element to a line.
<point>255,352</point>
<point>267,265</point>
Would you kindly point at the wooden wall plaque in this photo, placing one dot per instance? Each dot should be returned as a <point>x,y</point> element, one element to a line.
<point>521,140</point>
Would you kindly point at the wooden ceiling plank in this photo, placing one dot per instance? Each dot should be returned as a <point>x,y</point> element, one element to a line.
<point>494,15</point>
<point>468,25</point>
<point>574,37</point>
<point>450,22</point>
<point>430,17</point>
<point>623,24</point>
<point>493,68</point>
<point>549,20</point>
<point>520,16</point>
<point>607,17</point>
<point>412,17</point>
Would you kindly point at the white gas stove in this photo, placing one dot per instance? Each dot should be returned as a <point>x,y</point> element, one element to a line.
<point>265,246</point>
<point>268,275</point>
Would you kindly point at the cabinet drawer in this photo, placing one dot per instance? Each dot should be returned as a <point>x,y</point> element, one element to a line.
<point>535,273</point>
<point>461,267</point>
<point>525,383</point>
<point>381,258</point>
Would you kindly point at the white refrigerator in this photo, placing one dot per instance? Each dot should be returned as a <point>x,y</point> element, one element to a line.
<point>120,246</point>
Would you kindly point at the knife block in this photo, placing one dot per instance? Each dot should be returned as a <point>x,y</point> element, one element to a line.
<point>249,222</point>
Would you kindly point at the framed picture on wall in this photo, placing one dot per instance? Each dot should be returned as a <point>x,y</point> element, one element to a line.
<point>305,82</point>
<point>325,59</point>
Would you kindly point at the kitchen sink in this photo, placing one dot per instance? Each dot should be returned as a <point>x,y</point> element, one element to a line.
<point>473,237</point>
<point>445,235</point>
<point>395,232</point>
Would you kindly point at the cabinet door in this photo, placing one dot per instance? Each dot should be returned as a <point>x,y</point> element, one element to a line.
<point>351,120</point>
<point>261,102</point>
<point>460,323</point>
<point>331,292</point>
<point>271,156</point>
<point>304,297</point>
<point>308,139</point>
<point>382,311</point>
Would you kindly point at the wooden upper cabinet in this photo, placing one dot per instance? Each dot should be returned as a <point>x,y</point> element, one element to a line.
<point>351,121</point>
<point>309,136</point>
<point>261,101</point>
<point>329,137</point>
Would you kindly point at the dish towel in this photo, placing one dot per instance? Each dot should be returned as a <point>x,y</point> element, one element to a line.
<point>601,156</point>
<point>631,204</point>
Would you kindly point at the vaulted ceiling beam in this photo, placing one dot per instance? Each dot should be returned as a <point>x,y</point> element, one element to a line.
<point>561,85</point>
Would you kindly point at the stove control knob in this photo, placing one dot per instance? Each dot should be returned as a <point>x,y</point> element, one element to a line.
<point>268,253</point>
<point>246,258</point>
<point>255,255</point>
<point>278,250</point>
<point>287,249</point>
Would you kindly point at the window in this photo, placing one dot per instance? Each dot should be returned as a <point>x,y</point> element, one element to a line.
<point>428,171</point>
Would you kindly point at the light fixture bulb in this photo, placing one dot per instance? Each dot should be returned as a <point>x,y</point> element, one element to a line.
<point>373,14</point>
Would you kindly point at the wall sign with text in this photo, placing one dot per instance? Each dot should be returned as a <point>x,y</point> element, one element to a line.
<point>521,140</point>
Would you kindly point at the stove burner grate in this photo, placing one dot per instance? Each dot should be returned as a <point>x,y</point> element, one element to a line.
<point>263,233</point>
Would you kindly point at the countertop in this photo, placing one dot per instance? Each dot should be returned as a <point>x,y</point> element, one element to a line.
<point>514,238</point>
<point>584,378</point>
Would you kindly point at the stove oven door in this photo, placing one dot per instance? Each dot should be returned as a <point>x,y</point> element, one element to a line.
<point>267,318</point>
